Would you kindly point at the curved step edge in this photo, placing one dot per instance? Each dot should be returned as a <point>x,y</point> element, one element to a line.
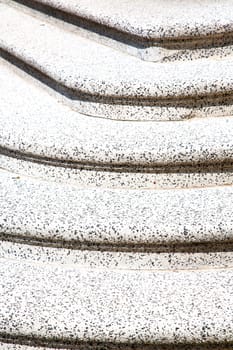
<point>41,126</point>
<point>183,47</point>
<point>120,178</point>
<point>142,92</point>
<point>115,219</point>
<point>71,305</point>
<point>214,256</point>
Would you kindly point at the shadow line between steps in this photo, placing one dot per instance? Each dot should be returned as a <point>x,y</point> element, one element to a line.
<point>216,40</point>
<point>170,247</point>
<point>186,168</point>
<point>55,343</point>
<point>202,100</point>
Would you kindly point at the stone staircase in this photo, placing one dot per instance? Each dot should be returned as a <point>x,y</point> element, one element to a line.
<point>153,31</point>
<point>116,164</point>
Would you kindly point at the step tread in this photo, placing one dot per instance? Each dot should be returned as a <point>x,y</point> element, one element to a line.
<point>53,212</point>
<point>66,304</point>
<point>41,126</point>
<point>125,77</point>
<point>58,303</point>
<point>157,20</point>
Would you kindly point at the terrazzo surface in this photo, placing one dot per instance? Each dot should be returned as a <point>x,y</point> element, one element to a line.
<point>160,31</point>
<point>156,20</point>
<point>40,125</point>
<point>40,210</point>
<point>121,178</point>
<point>101,247</point>
<point>126,81</point>
<point>69,304</point>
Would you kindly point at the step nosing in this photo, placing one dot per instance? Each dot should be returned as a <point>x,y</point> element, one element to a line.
<point>33,342</point>
<point>189,167</point>
<point>67,14</point>
<point>124,218</point>
<point>93,305</point>
<point>143,85</point>
<point>184,46</point>
<point>172,247</point>
<point>161,91</point>
<point>73,92</point>
<point>116,234</point>
<point>40,131</point>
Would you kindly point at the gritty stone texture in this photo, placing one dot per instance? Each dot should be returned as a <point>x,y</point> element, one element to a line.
<point>40,127</point>
<point>156,19</point>
<point>126,88</point>
<point>71,304</point>
<point>101,346</point>
<point>214,256</point>
<point>114,234</point>
<point>170,30</point>
<point>40,210</point>
<point>124,178</point>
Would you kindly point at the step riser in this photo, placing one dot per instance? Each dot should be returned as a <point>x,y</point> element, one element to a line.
<point>37,132</point>
<point>83,176</point>
<point>130,109</point>
<point>23,344</point>
<point>50,212</point>
<point>214,256</point>
<point>116,234</point>
<point>128,89</point>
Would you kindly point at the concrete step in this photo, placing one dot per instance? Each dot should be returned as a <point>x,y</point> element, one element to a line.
<point>58,306</point>
<point>122,88</point>
<point>115,220</point>
<point>44,137</point>
<point>159,31</point>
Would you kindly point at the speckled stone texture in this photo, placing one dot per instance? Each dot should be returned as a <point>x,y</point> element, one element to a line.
<point>140,218</point>
<point>161,30</point>
<point>70,304</point>
<point>116,228</point>
<point>90,346</point>
<point>123,88</point>
<point>116,175</point>
<point>89,151</point>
